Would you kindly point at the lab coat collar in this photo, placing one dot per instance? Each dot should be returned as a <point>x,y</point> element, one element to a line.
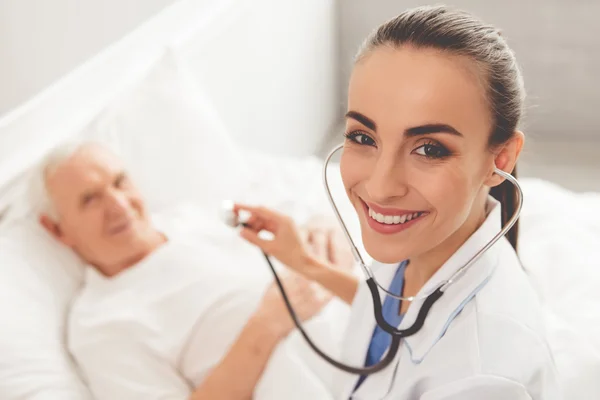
<point>458,294</point>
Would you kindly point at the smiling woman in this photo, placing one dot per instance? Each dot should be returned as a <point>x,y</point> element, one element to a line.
<point>434,103</point>
<point>418,138</point>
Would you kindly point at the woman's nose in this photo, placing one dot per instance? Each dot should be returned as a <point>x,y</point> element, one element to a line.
<point>387,179</point>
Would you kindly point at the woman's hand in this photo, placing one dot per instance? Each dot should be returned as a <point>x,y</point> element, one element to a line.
<point>293,249</point>
<point>287,245</point>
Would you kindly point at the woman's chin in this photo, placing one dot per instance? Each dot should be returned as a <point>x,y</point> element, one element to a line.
<point>386,259</point>
<point>385,254</point>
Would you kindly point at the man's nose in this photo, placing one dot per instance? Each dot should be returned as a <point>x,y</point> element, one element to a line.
<point>117,202</point>
<point>387,180</point>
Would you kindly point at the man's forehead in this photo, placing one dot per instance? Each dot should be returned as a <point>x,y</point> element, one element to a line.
<point>89,165</point>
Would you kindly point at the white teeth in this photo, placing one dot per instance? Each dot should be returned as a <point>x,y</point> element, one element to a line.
<point>392,219</point>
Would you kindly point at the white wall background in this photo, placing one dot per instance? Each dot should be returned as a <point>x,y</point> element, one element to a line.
<point>557,42</point>
<point>41,40</point>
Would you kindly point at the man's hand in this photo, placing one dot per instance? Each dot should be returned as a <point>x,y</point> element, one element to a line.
<point>307,298</point>
<point>326,241</point>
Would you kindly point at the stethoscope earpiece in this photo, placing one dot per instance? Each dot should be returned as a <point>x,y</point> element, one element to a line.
<point>228,216</point>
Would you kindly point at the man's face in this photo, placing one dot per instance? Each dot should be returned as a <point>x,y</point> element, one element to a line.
<point>101,214</point>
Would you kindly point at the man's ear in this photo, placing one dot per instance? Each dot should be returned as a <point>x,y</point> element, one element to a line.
<point>506,158</point>
<point>52,227</point>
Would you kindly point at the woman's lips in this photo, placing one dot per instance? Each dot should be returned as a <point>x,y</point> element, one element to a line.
<point>392,228</point>
<point>388,211</point>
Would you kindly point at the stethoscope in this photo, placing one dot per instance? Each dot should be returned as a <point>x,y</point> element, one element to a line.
<point>429,299</point>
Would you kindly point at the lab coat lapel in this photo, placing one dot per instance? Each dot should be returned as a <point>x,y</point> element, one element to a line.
<point>460,292</point>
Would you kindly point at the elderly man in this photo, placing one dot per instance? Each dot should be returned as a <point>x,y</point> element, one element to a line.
<point>156,317</point>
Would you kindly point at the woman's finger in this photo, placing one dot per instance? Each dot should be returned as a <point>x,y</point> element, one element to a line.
<point>270,219</point>
<point>252,237</point>
<point>255,223</point>
<point>257,210</point>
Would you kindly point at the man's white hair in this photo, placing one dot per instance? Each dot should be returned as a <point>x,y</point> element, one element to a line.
<point>40,196</point>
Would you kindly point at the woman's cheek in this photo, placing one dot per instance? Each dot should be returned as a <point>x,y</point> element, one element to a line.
<point>463,197</point>
<point>447,192</point>
<point>347,172</point>
<point>354,168</point>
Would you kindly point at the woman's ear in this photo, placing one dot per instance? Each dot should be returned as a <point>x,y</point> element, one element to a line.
<point>507,157</point>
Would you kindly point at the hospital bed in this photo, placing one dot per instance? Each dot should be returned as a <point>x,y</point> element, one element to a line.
<point>212,88</point>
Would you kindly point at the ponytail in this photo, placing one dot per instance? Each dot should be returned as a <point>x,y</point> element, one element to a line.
<point>506,194</point>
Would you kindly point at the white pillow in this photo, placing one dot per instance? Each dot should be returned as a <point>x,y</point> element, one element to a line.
<point>38,279</point>
<point>172,140</point>
<point>177,150</point>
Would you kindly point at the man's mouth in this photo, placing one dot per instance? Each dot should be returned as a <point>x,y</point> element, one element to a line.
<point>119,228</point>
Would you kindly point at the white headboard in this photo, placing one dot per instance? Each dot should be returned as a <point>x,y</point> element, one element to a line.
<point>268,65</point>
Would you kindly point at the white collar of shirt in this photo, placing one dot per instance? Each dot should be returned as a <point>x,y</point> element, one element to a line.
<point>457,294</point>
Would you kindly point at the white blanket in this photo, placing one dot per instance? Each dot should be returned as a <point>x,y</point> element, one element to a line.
<point>157,329</point>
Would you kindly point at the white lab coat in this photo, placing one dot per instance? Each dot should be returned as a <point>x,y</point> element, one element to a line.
<point>484,339</point>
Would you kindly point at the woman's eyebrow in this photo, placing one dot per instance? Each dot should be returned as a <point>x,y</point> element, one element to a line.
<point>432,128</point>
<point>410,132</point>
<point>366,121</point>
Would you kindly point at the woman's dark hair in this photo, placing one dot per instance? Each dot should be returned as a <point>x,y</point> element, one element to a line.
<point>459,33</point>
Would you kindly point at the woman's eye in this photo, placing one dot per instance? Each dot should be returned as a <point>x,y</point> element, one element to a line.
<point>431,150</point>
<point>360,138</point>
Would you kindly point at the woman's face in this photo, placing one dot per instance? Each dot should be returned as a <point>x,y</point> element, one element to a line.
<point>416,155</point>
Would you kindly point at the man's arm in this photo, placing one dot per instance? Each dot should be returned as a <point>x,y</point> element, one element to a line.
<point>240,370</point>
<point>238,373</point>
